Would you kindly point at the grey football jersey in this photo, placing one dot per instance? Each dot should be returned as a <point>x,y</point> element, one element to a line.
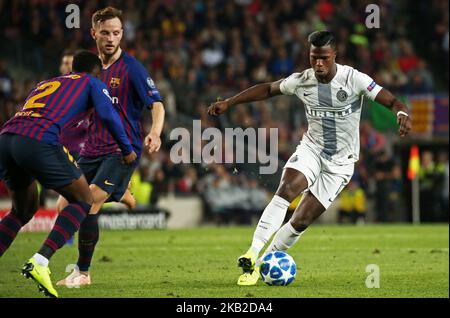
<point>333,110</point>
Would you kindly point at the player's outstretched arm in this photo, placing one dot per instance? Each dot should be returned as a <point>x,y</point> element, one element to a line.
<point>153,140</point>
<point>254,93</point>
<point>387,99</point>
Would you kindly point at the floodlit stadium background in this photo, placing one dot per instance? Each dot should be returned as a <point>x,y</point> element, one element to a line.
<point>197,51</point>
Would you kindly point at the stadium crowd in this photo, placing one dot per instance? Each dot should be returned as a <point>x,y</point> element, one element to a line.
<point>197,51</point>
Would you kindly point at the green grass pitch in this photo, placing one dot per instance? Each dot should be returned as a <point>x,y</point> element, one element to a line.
<point>332,260</point>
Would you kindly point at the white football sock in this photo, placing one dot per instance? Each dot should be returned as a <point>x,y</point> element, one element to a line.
<point>285,238</point>
<point>41,260</point>
<point>270,221</point>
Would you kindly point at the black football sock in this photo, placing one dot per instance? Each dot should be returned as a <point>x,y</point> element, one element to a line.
<point>87,240</point>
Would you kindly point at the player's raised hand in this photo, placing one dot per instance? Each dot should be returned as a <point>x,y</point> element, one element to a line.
<point>405,125</point>
<point>152,142</point>
<point>218,108</point>
<point>130,158</point>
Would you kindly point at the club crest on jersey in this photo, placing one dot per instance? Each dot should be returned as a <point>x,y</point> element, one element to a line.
<point>114,82</point>
<point>341,95</point>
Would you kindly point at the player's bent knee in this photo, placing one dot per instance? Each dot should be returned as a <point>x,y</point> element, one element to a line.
<point>61,204</point>
<point>304,217</point>
<point>77,191</point>
<point>99,195</point>
<point>300,224</point>
<point>86,197</point>
<point>288,192</point>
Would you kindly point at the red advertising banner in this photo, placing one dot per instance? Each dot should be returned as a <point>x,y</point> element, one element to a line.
<point>42,221</point>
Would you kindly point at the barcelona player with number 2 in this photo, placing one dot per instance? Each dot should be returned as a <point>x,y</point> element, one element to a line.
<point>132,90</point>
<point>30,150</point>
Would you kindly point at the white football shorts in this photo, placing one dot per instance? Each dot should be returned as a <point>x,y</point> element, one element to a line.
<point>325,178</point>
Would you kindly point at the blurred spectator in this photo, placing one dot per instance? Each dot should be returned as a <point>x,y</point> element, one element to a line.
<point>352,204</point>
<point>3,190</point>
<point>325,10</point>
<point>407,59</point>
<point>188,182</point>
<point>258,197</point>
<point>395,195</point>
<point>6,82</point>
<point>141,189</point>
<point>441,186</point>
<point>159,187</point>
<point>373,143</point>
<point>358,38</point>
<point>420,80</point>
<point>282,66</point>
<point>212,55</point>
<point>444,193</point>
<point>383,170</point>
<point>429,195</point>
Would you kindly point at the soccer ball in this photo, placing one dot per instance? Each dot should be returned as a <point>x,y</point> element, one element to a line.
<point>278,269</point>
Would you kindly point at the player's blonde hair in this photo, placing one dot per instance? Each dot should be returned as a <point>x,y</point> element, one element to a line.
<point>106,14</point>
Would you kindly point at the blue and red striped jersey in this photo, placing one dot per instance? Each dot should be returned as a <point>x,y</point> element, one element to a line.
<point>131,89</point>
<point>73,135</point>
<point>54,102</point>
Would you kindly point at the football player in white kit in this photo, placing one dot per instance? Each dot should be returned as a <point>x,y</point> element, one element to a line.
<point>324,160</point>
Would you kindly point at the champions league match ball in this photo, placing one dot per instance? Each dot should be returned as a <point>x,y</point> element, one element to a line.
<point>278,269</point>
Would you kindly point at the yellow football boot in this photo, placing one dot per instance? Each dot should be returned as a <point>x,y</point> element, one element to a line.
<point>41,275</point>
<point>249,278</point>
<point>251,272</point>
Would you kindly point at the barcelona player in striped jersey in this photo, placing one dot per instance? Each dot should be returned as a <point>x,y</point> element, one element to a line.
<point>74,133</point>
<point>132,90</point>
<point>30,151</point>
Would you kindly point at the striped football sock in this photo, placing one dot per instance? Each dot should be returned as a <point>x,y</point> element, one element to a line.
<point>10,225</point>
<point>67,223</point>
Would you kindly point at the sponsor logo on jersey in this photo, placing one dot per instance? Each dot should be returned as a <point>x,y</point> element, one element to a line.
<point>345,112</point>
<point>105,91</point>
